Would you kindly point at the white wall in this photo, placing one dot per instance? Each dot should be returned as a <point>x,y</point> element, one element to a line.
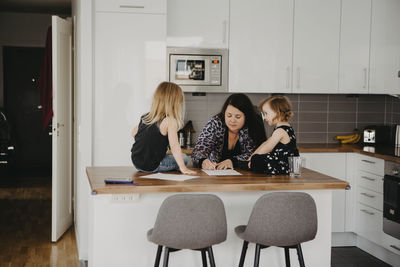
<point>21,29</point>
<point>82,26</point>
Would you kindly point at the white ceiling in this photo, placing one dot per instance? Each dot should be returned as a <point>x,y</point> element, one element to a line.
<point>36,6</point>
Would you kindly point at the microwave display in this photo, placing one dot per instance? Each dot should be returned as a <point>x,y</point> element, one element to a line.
<point>198,69</point>
<point>190,70</point>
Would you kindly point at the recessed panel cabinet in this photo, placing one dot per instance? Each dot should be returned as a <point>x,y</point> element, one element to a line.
<point>260,46</point>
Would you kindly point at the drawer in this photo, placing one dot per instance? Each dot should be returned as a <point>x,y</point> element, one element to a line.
<point>132,6</point>
<point>370,181</point>
<point>370,198</point>
<point>391,243</point>
<point>369,223</point>
<point>371,165</point>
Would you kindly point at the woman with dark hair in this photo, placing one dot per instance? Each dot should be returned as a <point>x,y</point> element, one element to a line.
<point>230,137</point>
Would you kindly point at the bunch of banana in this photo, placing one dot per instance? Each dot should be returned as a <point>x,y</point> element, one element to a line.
<point>348,139</point>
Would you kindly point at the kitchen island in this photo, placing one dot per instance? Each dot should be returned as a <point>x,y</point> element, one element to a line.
<point>121,215</point>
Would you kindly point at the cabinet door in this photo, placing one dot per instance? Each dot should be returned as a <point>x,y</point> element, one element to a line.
<point>354,46</point>
<point>260,46</point>
<point>193,23</point>
<point>316,46</point>
<point>129,63</point>
<point>385,47</point>
<point>332,164</point>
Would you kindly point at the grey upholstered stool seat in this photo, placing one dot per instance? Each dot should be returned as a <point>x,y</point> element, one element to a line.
<point>283,219</point>
<point>189,221</point>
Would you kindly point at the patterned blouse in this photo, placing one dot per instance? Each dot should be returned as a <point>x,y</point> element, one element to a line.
<point>210,143</point>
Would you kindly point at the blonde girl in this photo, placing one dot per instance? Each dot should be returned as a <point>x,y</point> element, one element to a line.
<point>157,129</point>
<point>272,155</point>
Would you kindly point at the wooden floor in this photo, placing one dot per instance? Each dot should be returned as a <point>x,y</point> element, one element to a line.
<point>25,226</point>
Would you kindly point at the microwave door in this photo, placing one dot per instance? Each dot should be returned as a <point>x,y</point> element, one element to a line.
<point>189,70</point>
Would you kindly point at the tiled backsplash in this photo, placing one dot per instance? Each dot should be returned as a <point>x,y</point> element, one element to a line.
<point>317,119</point>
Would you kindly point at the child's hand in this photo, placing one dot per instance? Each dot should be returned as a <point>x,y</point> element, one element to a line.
<point>187,171</point>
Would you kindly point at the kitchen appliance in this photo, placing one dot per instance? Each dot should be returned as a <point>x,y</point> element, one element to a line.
<point>397,136</point>
<point>391,199</point>
<point>378,135</point>
<point>198,69</point>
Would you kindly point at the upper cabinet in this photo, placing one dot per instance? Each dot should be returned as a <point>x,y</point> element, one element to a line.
<point>260,46</point>
<point>354,46</point>
<point>385,47</point>
<point>193,23</point>
<point>316,46</point>
<point>131,6</point>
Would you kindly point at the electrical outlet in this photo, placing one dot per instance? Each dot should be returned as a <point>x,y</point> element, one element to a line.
<point>124,197</point>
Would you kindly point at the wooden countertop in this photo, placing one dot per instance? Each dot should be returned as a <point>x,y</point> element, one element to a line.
<point>249,181</point>
<point>382,152</point>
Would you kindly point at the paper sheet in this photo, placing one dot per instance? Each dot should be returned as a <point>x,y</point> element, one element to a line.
<point>172,177</point>
<point>221,172</point>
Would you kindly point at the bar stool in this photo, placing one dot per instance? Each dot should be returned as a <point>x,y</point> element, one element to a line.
<point>282,219</point>
<point>189,221</point>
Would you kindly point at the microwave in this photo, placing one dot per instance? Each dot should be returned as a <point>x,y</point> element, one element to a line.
<point>198,69</point>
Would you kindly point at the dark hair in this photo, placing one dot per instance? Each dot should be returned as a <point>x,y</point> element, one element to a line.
<point>253,120</point>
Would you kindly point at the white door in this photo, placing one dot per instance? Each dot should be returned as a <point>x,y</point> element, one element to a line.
<point>260,46</point>
<point>316,46</point>
<point>62,127</point>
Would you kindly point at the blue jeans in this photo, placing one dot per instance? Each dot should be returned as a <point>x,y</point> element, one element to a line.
<point>168,163</point>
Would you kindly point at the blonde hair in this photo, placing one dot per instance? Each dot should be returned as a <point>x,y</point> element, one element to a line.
<point>168,100</point>
<point>281,106</point>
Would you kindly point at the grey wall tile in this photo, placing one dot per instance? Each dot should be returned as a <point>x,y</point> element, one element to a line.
<point>317,98</point>
<point>312,127</point>
<point>371,107</point>
<point>311,137</point>
<point>342,107</point>
<point>396,119</point>
<point>313,117</point>
<point>313,106</point>
<point>371,98</point>
<point>371,117</point>
<point>342,127</point>
<point>342,117</point>
<point>342,98</point>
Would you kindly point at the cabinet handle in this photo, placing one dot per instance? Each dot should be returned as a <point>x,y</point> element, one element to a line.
<point>288,77</point>
<point>368,195</point>
<point>368,212</point>
<point>365,78</point>
<point>368,161</point>
<point>130,6</point>
<point>395,247</point>
<point>224,27</point>
<point>367,178</point>
<point>298,77</point>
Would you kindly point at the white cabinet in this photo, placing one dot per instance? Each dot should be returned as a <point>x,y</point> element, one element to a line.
<point>129,63</point>
<point>332,164</point>
<point>354,46</point>
<point>260,46</point>
<point>369,216</point>
<point>193,23</point>
<point>385,47</point>
<point>131,6</point>
<point>316,46</point>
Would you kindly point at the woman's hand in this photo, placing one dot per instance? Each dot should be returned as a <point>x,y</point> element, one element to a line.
<point>208,165</point>
<point>226,164</point>
<point>187,171</point>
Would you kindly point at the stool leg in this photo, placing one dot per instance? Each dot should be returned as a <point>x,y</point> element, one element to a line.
<point>287,257</point>
<point>211,256</point>
<point>166,256</point>
<point>300,255</point>
<point>204,257</point>
<point>243,255</point>
<point>158,256</point>
<point>257,256</point>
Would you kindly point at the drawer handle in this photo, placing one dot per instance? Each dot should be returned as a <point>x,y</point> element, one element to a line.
<point>367,178</point>
<point>368,195</point>
<point>395,247</point>
<point>368,161</point>
<point>368,212</point>
<point>130,6</point>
